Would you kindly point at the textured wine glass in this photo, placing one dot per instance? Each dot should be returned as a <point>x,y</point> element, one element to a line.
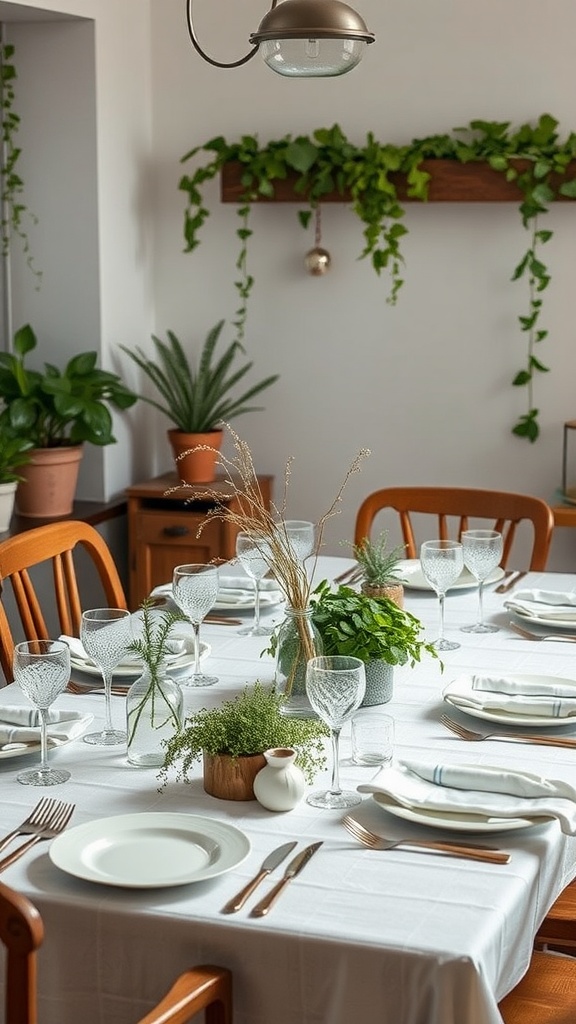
<point>195,589</point>
<point>301,537</point>
<point>335,686</point>
<point>442,562</point>
<point>482,552</point>
<point>251,552</point>
<point>42,671</point>
<point>105,634</point>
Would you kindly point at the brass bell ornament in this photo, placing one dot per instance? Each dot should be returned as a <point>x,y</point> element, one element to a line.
<point>317,260</point>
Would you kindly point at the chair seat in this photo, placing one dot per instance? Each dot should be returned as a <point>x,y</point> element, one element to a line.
<point>557,928</point>
<point>546,994</point>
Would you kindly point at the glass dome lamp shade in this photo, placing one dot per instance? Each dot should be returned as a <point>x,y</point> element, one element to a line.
<point>301,38</point>
<point>312,38</point>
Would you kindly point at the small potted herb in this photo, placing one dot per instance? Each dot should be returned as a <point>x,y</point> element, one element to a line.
<point>373,629</point>
<point>231,740</point>
<point>379,568</point>
<point>14,453</point>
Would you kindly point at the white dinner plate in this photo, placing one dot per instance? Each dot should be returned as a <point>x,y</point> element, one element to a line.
<point>149,850</point>
<point>410,572</point>
<point>543,620</point>
<point>128,672</point>
<point>509,717</point>
<point>455,822</point>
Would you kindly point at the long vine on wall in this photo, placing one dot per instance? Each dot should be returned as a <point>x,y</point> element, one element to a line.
<point>534,157</point>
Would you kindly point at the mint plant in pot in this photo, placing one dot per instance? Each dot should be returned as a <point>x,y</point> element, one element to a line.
<point>197,399</point>
<point>231,739</point>
<point>373,629</point>
<point>57,411</point>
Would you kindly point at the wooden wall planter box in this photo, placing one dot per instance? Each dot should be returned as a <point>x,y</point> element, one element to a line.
<point>451,182</point>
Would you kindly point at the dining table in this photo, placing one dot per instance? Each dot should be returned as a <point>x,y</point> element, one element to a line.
<point>400,936</point>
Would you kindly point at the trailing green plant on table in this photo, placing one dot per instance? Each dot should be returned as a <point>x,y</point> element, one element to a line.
<point>369,628</point>
<point>327,162</point>
<point>248,724</point>
<point>56,408</point>
<point>198,399</point>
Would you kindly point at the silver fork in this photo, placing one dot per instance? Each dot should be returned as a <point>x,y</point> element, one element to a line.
<point>57,823</point>
<point>567,638</point>
<point>37,819</point>
<point>512,737</point>
<point>116,691</point>
<point>376,842</point>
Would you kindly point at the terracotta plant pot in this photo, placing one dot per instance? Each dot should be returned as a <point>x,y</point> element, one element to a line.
<point>394,592</point>
<point>231,778</point>
<point>196,467</point>
<point>49,485</point>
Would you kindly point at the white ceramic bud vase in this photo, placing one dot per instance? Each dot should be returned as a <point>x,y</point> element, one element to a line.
<point>280,785</point>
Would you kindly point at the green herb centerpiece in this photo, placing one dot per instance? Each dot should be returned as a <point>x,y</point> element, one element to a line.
<point>154,701</point>
<point>373,629</point>
<point>237,731</point>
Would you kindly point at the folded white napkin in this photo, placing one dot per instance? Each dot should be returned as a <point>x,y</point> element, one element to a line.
<point>462,692</point>
<point>547,604</point>
<point>526,685</point>
<point>20,726</point>
<point>177,647</point>
<point>241,581</point>
<point>242,594</point>
<point>488,791</point>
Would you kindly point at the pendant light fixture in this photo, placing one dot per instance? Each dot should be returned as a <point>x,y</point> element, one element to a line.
<point>302,38</point>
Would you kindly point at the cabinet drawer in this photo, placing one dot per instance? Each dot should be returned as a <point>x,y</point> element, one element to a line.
<point>179,529</point>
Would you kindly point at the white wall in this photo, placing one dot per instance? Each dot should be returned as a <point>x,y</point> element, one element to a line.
<point>425,385</point>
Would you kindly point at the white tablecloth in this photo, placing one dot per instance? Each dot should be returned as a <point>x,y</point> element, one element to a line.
<point>395,938</point>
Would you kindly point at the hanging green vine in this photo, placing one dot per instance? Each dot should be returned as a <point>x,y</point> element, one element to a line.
<point>14,210</point>
<point>534,157</point>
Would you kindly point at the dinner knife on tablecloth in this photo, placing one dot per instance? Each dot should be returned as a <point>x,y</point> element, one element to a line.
<point>272,861</point>
<point>294,867</point>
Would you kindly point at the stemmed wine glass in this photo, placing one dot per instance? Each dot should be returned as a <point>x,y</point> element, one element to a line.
<point>42,670</point>
<point>442,562</point>
<point>195,589</point>
<point>105,634</point>
<point>300,535</point>
<point>251,551</point>
<point>482,553</point>
<point>335,686</point>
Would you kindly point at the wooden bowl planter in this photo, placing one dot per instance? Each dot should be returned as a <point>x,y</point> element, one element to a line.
<point>231,778</point>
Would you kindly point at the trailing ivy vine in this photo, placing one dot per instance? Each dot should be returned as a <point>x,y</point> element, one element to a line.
<point>534,157</point>
<point>14,210</point>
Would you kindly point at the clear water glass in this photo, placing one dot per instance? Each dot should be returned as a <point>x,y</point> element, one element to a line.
<point>300,535</point>
<point>482,553</point>
<point>335,686</point>
<point>253,553</point>
<point>105,634</point>
<point>42,671</point>
<point>442,562</point>
<point>195,589</point>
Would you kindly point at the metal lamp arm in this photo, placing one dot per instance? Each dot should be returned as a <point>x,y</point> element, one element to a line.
<point>203,54</point>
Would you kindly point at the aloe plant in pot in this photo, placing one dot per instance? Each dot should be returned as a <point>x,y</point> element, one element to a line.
<point>197,399</point>
<point>57,411</point>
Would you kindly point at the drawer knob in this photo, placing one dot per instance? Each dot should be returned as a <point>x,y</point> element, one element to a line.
<point>176,531</point>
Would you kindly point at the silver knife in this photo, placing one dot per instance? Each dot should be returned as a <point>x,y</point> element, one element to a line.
<point>294,867</point>
<point>514,579</point>
<point>272,861</point>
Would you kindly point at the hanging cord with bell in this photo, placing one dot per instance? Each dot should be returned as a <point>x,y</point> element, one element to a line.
<point>317,260</point>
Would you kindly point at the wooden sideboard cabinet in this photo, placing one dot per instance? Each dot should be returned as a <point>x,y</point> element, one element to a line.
<point>163,529</point>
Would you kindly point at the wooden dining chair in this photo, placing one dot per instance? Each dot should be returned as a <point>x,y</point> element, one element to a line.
<point>454,509</point>
<point>547,992</point>
<point>58,545</point>
<point>205,988</point>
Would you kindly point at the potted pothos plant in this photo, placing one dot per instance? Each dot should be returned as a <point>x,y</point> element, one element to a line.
<point>57,410</point>
<point>231,739</point>
<point>373,629</point>
<point>14,454</point>
<point>197,397</point>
